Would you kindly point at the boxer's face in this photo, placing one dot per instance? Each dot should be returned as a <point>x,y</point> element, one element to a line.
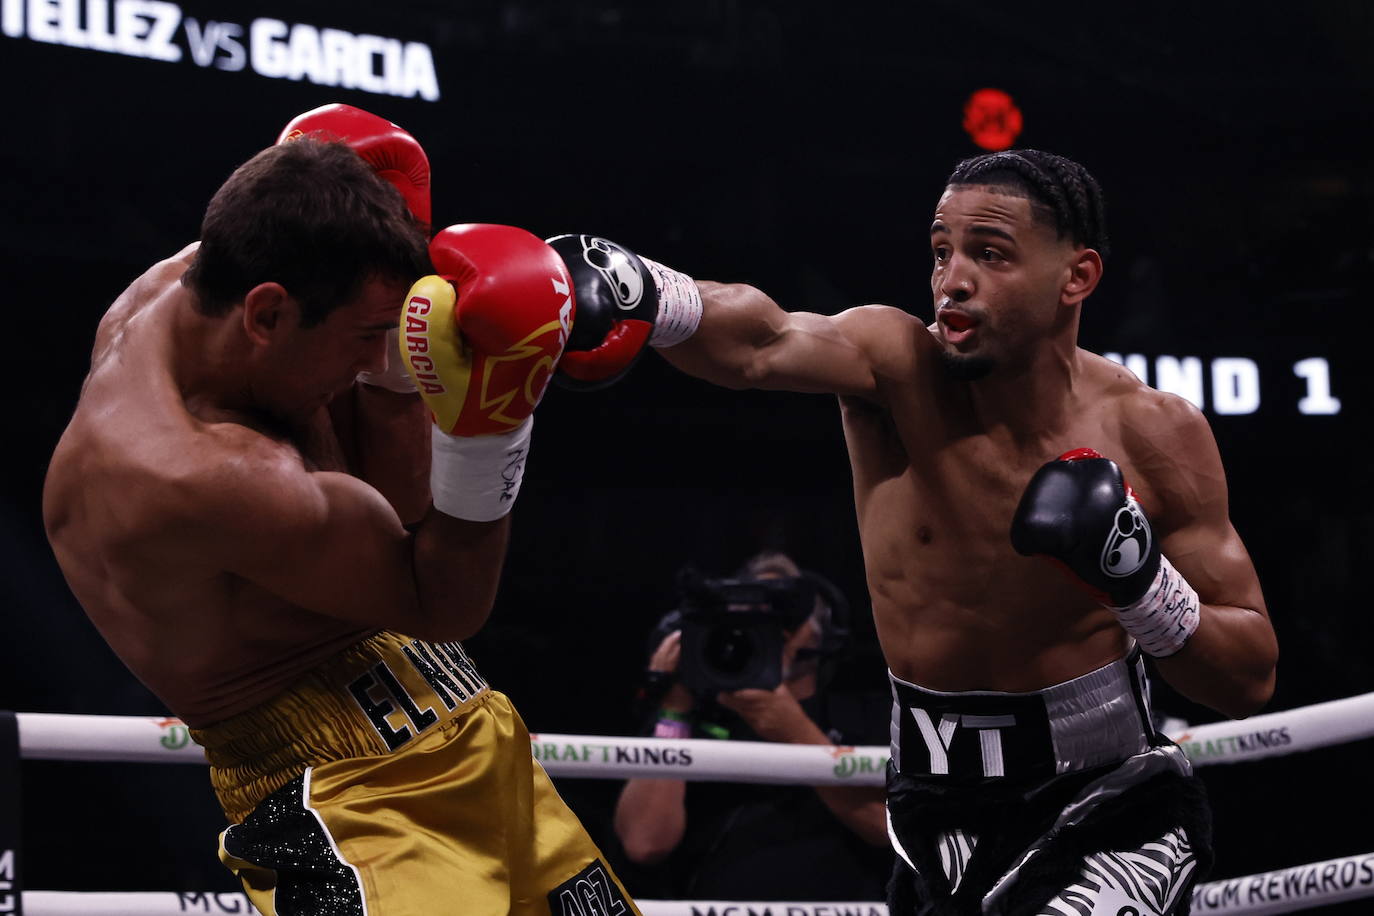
<point>310,365</point>
<point>996,279</point>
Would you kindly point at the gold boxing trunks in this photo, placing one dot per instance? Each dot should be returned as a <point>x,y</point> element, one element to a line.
<point>392,780</point>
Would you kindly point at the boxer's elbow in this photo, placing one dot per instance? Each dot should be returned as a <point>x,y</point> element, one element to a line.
<point>1252,695</point>
<point>452,620</point>
<point>1236,682</point>
<point>1243,693</point>
<point>1255,688</point>
<point>445,615</point>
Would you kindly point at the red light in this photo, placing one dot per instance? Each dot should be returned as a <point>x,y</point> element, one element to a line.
<point>992,119</point>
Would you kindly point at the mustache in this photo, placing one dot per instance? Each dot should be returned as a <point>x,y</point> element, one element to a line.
<point>971,311</point>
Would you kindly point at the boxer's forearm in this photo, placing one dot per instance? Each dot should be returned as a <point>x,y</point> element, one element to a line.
<point>746,340</point>
<point>1228,664</point>
<point>391,447</point>
<point>737,324</point>
<point>457,567</point>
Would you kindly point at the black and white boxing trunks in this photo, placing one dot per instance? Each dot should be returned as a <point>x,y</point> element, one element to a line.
<point>1058,802</point>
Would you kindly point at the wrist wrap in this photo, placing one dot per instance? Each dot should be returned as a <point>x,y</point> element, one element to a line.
<point>679,305</point>
<point>1165,616</point>
<point>478,477</point>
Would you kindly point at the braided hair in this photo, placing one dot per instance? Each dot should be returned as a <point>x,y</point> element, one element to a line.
<point>1062,192</point>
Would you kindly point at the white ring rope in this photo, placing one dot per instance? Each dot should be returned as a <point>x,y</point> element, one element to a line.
<point>1287,890</point>
<point>54,736</point>
<point>50,736</point>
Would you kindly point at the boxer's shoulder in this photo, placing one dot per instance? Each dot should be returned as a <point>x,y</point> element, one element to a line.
<point>1141,411</point>
<point>892,338</point>
<point>189,483</point>
<point>158,286</point>
<point>1158,420</point>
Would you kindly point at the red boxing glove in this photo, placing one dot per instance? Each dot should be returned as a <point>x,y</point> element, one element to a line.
<point>392,152</point>
<point>482,338</point>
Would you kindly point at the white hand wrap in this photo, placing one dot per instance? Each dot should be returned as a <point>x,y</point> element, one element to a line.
<point>679,305</point>
<point>478,477</point>
<point>1168,613</point>
<point>394,377</point>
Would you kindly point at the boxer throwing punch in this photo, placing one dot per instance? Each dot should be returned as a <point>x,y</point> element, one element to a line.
<point>241,502</point>
<point>1026,774</point>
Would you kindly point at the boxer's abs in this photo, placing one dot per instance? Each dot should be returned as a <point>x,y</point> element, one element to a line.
<point>955,607</point>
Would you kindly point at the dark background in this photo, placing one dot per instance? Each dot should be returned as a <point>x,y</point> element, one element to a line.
<point>801,148</point>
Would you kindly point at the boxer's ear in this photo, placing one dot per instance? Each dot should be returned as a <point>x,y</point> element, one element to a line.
<point>1081,276</point>
<point>267,311</point>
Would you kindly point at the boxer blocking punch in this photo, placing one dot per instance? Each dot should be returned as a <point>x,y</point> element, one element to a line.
<point>232,539</point>
<point>397,158</point>
<point>480,340</point>
<point>1027,776</point>
<point>395,155</point>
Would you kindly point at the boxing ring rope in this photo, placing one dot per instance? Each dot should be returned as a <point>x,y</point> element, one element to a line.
<point>135,739</point>
<point>51,736</point>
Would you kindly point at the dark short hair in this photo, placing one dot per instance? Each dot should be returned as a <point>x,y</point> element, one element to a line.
<point>311,216</point>
<point>1062,192</point>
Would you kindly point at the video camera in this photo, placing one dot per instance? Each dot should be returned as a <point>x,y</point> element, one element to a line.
<point>733,630</point>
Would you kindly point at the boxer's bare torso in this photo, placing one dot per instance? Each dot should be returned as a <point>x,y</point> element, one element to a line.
<point>946,424</point>
<point>139,460</point>
<point>935,488</point>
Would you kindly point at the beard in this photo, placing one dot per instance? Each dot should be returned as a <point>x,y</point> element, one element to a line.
<point>966,368</point>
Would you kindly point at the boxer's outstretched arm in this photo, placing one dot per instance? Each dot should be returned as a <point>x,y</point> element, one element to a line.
<point>1228,663</point>
<point>745,340</point>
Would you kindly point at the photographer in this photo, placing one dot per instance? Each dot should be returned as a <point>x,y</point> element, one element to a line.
<point>721,841</point>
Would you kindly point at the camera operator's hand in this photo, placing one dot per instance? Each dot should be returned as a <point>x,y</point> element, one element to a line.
<point>774,715</point>
<point>665,661</point>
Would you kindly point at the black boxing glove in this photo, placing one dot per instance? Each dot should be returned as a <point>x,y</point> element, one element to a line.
<point>624,302</point>
<point>1079,511</point>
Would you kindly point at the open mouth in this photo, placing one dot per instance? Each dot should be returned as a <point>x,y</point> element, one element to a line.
<point>957,326</point>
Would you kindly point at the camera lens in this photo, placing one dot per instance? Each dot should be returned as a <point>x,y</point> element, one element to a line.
<point>728,649</point>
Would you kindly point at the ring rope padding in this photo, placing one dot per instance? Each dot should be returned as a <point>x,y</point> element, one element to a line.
<point>61,736</point>
<point>54,736</point>
<point>1285,890</point>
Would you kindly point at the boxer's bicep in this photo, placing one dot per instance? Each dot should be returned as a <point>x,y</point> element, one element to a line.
<point>1228,662</point>
<point>1213,559</point>
<point>1193,519</point>
<point>326,542</point>
<point>826,354</point>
